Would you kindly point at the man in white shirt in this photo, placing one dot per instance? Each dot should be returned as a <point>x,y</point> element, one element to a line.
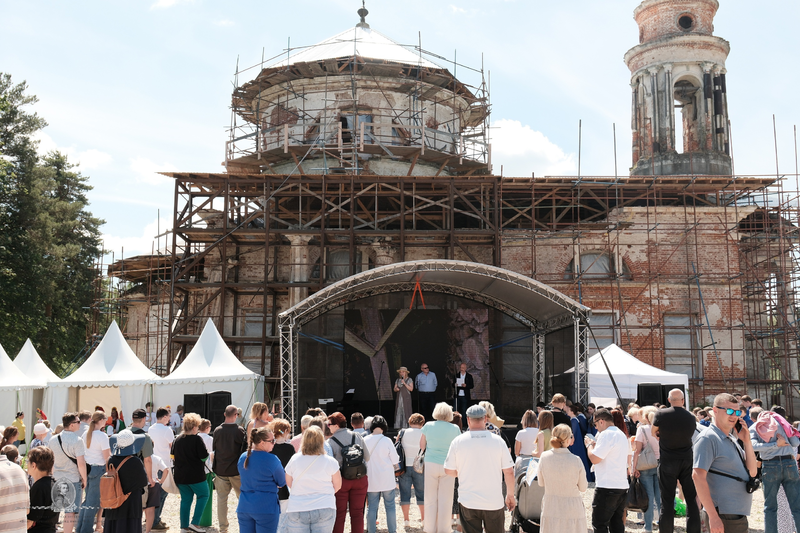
<point>150,417</point>
<point>609,455</point>
<point>480,460</point>
<point>176,420</point>
<point>162,437</point>
<point>69,466</point>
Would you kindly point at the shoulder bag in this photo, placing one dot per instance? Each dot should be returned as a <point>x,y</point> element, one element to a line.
<point>419,462</point>
<point>400,468</point>
<point>647,457</point>
<point>73,459</point>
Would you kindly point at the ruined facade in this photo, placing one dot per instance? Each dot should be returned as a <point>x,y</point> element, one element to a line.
<point>357,153</point>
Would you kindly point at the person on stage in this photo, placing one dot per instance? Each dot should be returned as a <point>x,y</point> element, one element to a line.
<point>463,384</point>
<point>403,387</point>
<point>426,384</point>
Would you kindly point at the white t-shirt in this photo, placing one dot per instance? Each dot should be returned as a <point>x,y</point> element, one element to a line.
<point>158,464</point>
<point>312,486</point>
<point>380,467</point>
<point>149,420</point>
<point>208,440</point>
<point>646,432</point>
<point>612,447</point>
<point>479,457</point>
<point>175,421</point>
<point>162,437</point>
<point>527,437</point>
<point>94,453</point>
<point>411,439</point>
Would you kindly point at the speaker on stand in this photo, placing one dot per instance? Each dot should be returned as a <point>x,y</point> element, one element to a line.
<point>649,393</point>
<point>195,403</point>
<point>216,402</point>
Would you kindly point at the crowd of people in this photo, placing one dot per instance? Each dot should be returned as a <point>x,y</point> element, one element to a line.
<point>460,467</point>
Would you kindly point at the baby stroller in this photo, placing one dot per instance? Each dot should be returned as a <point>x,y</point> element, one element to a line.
<point>529,496</point>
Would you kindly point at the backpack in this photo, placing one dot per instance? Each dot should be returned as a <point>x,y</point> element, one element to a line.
<point>353,466</point>
<point>401,453</point>
<point>111,495</point>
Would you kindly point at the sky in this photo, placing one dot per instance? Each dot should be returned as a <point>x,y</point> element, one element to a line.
<point>130,89</point>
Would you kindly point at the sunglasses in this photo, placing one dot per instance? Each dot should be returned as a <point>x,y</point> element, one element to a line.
<point>424,368</point>
<point>729,411</point>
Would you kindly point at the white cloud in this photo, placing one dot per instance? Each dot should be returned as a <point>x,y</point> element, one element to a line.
<point>224,22</point>
<point>147,171</point>
<point>456,9</point>
<point>522,151</point>
<point>164,4</point>
<point>87,159</point>
<point>144,244</point>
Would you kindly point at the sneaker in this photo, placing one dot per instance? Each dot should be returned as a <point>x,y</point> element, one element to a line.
<point>160,526</point>
<point>406,523</point>
<point>197,529</point>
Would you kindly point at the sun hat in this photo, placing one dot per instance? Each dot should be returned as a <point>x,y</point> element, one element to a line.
<point>126,443</point>
<point>402,369</point>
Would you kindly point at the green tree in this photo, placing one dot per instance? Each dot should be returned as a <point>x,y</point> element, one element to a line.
<point>48,238</point>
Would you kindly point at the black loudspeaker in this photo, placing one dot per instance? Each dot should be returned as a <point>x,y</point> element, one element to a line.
<point>665,392</point>
<point>195,403</point>
<point>216,402</point>
<point>649,393</point>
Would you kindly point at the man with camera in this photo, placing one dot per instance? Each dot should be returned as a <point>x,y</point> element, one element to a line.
<point>723,470</point>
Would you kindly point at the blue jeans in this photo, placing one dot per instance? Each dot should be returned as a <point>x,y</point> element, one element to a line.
<point>91,502</point>
<point>411,477</point>
<point>316,521</point>
<point>157,515</point>
<point>257,522</point>
<point>649,478</point>
<point>373,499</point>
<point>774,473</point>
<point>188,492</point>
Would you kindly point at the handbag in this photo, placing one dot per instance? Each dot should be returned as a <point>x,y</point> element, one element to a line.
<point>168,483</point>
<point>419,462</point>
<point>400,467</point>
<point>637,496</point>
<point>647,457</point>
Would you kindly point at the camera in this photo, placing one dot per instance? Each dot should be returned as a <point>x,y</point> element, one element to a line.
<point>753,484</point>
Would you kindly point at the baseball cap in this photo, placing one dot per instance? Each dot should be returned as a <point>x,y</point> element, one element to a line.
<point>139,413</point>
<point>476,411</point>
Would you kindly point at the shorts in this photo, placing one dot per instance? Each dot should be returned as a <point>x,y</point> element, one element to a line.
<point>152,496</point>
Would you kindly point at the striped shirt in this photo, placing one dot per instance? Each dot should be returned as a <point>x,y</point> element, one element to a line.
<point>14,499</point>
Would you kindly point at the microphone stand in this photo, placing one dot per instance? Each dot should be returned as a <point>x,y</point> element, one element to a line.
<point>378,390</point>
<point>497,381</point>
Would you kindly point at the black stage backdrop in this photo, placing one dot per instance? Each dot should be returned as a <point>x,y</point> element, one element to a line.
<point>379,341</point>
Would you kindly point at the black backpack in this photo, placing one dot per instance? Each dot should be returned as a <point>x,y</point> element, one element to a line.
<point>353,466</point>
<point>400,469</point>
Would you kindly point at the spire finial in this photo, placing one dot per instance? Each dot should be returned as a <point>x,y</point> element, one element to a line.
<point>363,14</point>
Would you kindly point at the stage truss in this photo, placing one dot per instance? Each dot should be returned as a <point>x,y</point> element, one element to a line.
<point>532,303</point>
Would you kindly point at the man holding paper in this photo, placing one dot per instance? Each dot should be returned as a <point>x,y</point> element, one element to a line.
<point>463,383</point>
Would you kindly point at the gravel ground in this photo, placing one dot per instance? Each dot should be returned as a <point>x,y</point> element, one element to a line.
<point>172,509</point>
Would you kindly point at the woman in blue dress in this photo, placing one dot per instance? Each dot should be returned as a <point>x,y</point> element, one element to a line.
<point>580,427</point>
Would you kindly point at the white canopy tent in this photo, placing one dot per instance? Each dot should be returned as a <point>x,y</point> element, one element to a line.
<point>113,365</point>
<point>628,372</point>
<point>211,366</point>
<point>31,364</point>
<point>14,384</point>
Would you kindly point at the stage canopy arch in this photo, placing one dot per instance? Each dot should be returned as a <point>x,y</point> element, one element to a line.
<point>530,302</point>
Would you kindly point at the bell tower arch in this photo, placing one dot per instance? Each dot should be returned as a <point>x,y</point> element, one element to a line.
<point>679,110</point>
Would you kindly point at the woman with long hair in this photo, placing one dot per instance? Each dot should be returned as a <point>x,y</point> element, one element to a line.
<point>563,477</point>
<point>284,451</point>
<point>439,487</point>
<point>190,454</point>
<point>9,436</point>
<point>649,477</point>
<point>380,473</point>
<point>19,423</point>
<point>543,437</point>
<point>525,441</point>
<point>97,454</point>
<point>260,417</point>
<point>314,478</point>
<point>261,475</point>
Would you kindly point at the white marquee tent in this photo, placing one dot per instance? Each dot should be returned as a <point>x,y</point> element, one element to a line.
<point>628,372</point>
<point>31,364</point>
<point>211,366</point>
<point>112,371</point>
<point>14,384</point>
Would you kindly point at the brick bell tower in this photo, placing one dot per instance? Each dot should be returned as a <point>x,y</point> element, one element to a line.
<point>678,90</point>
